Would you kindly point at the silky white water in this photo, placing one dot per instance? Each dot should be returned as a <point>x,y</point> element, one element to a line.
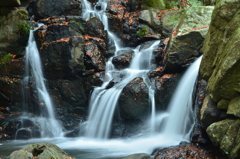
<point>166,128</point>
<point>92,148</point>
<point>103,101</point>
<point>49,126</point>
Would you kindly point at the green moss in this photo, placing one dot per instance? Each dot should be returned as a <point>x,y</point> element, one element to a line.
<point>5,57</point>
<point>142,32</point>
<point>23,27</point>
<point>159,4</point>
<point>79,24</point>
<point>174,19</point>
<point>23,14</point>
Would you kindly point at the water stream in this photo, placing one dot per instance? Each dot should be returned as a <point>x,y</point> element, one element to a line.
<point>46,123</point>
<point>166,128</point>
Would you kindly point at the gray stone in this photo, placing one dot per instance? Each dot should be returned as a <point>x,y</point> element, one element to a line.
<point>41,151</point>
<point>138,156</point>
<point>20,154</point>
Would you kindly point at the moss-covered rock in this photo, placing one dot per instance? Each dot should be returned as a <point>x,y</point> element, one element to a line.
<point>223,104</point>
<point>226,135</point>
<point>41,151</point>
<point>14,31</point>
<point>187,38</point>
<point>234,107</point>
<point>168,4</point>
<point>169,20</point>
<point>221,61</point>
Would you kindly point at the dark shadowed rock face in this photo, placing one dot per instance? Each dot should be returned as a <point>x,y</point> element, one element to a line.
<point>95,28</point>
<point>122,61</point>
<point>164,90</point>
<point>41,9</point>
<point>61,48</point>
<point>95,49</point>
<point>199,134</point>
<point>70,101</point>
<point>210,113</point>
<point>133,101</point>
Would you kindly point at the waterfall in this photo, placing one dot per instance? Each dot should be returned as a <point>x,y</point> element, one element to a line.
<point>103,101</point>
<point>180,119</point>
<point>47,123</point>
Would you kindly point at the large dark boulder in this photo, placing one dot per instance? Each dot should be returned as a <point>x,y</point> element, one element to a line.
<point>41,9</point>
<point>187,38</point>
<point>14,32</point>
<point>95,28</point>
<point>133,101</point>
<point>61,47</point>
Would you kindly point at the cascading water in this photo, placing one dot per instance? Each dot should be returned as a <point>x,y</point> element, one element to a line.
<point>104,101</point>
<point>180,119</point>
<point>167,128</point>
<point>48,125</point>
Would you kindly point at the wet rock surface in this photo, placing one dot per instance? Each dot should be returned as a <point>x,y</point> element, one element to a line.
<point>40,9</point>
<point>133,101</point>
<point>187,150</point>
<point>164,89</point>
<point>122,61</point>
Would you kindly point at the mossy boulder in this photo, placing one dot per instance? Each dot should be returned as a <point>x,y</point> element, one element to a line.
<point>234,107</point>
<point>187,38</point>
<point>226,135</point>
<point>221,61</point>
<point>14,30</point>
<point>41,151</point>
<point>133,101</point>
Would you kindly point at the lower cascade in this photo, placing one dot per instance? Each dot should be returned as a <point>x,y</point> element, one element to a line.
<point>164,128</point>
